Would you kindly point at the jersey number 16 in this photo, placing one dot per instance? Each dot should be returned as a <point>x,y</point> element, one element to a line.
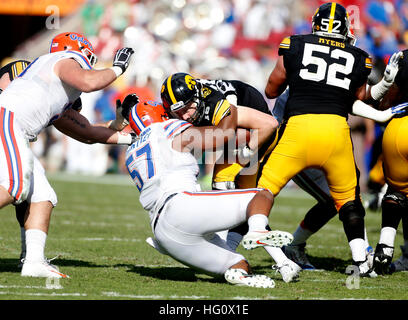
<point>333,70</point>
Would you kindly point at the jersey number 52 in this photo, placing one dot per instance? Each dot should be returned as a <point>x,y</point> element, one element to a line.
<point>331,72</point>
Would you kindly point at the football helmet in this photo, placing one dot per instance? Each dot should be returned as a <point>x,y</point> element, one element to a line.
<point>331,20</point>
<point>75,42</point>
<point>144,113</point>
<point>178,92</point>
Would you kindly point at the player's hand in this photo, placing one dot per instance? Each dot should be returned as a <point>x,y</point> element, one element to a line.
<point>399,108</point>
<point>122,58</point>
<point>243,154</point>
<point>392,67</point>
<point>123,109</point>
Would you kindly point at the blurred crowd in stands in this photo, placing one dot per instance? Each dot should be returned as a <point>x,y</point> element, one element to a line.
<point>215,39</point>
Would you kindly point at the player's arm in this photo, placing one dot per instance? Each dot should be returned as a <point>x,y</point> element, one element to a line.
<point>70,72</point>
<point>377,91</point>
<point>259,123</point>
<point>76,126</point>
<point>364,110</point>
<point>226,116</point>
<point>277,80</point>
<point>208,138</point>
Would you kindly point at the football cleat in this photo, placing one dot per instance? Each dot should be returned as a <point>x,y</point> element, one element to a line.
<point>383,258</point>
<point>275,238</point>
<point>240,277</point>
<point>41,269</point>
<point>370,256</point>
<point>297,253</point>
<point>363,269</point>
<point>289,270</point>
<point>402,263</point>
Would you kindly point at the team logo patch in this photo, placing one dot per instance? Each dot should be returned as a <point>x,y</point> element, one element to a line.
<point>205,92</point>
<point>190,82</point>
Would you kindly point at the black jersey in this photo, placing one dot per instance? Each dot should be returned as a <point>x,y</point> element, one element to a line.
<point>215,107</point>
<point>245,94</point>
<point>401,80</point>
<point>323,74</point>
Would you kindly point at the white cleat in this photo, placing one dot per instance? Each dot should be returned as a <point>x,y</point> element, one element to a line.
<point>289,270</point>
<point>275,238</point>
<point>41,269</point>
<point>240,277</point>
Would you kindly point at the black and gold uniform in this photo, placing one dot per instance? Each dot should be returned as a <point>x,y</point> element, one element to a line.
<point>395,165</point>
<point>227,175</point>
<point>323,75</point>
<point>395,143</point>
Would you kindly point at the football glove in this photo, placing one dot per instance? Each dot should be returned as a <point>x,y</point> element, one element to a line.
<point>123,110</point>
<point>244,154</point>
<point>392,67</point>
<point>122,58</point>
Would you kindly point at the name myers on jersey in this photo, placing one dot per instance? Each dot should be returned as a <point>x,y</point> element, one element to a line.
<point>332,43</point>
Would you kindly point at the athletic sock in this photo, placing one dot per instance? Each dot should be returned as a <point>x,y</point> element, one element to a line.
<point>358,249</point>
<point>387,236</point>
<point>277,254</point>
<point>233,240</point>
<point>257,222</point>
<point>301,235</point>
<point>35,245</point>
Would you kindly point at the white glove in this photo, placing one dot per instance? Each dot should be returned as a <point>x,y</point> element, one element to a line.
<point>244,154</point>
<point>392,67</point>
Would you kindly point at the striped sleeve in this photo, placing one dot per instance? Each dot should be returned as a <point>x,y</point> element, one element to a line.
<point>369,63</point>
<point>175,127</point>
<point>222,109</point>
<point>78,58</point>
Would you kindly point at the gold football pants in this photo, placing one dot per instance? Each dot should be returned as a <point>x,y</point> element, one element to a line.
<point>395,154</point>
<point>314,140</point>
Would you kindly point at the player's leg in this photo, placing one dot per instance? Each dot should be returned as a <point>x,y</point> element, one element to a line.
<point>401,264</point>
<point>314,183</point>
<point>42,199</point>
<point>16,158</point>
<point>395,202</point>
<point>345,191</point>
<point>191,238</point>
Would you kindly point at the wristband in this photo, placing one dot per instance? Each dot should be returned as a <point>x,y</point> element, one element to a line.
<point>378,91</point>
<point>118,70</point>
<point>124,139</point>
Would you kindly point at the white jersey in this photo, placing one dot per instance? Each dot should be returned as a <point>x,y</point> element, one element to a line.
<point>156,168</point>
<point>37,97</point>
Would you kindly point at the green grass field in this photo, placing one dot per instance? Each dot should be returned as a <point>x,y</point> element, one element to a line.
<point>99,229</point>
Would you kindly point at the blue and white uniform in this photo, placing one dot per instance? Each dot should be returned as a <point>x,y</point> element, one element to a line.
<point>183,218</point>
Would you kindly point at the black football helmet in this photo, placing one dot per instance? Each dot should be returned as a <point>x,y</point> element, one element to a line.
<point>331,20</point>
<point>177,91</point>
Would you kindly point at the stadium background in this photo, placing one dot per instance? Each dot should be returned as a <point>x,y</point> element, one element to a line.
<point>229,39</point>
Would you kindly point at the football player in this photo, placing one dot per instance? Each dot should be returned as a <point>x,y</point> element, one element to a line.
<point>395,164</point>
<point>46,93</point>
<point>164,169</point>
<point>326,75</point>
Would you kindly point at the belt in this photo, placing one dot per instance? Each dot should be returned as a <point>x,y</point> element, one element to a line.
<point>161,208</point>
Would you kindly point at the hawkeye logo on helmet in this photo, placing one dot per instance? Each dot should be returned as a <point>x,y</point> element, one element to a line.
<point>191,83</point>
<point>75,37</point>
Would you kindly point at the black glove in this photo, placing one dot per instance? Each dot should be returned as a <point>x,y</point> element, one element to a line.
<point>127,104</point>
<point>135,137</point>
<point>77,105</point>
<point>122,58</point>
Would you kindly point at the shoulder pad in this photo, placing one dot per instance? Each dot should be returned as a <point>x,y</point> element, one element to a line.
<point>285,44</point>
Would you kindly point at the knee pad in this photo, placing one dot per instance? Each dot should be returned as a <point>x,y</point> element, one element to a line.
<point>352,215</point>
<point>395,197</point>
<point>393,206</point>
